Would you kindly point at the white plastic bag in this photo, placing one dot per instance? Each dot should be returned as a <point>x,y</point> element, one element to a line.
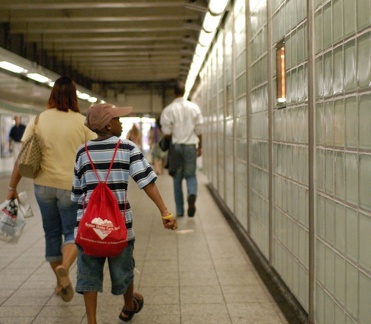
<point>12,222</point>
<point>23,205</point>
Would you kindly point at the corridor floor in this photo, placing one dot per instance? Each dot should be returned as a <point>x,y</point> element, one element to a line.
<point>197,274</point>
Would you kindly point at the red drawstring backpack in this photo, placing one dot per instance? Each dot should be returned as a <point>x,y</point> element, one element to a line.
<point>102,231</point>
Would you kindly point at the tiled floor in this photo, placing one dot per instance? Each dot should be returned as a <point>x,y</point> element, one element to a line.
<point>197,274</point>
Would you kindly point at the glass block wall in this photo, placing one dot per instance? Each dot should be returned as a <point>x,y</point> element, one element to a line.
<point>310,221</point>
<point>290,170</point>
<point>343,108</point>
<point>259,188</point>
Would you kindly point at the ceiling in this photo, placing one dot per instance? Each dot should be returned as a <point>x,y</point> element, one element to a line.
<point>106,44</point>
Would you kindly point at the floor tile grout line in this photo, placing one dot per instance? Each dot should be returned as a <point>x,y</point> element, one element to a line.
<point>212,260</point>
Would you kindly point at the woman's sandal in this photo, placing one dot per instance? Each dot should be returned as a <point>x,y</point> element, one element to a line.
<point>138,305</point>
<point>64,288</point>
<point>58,290</point>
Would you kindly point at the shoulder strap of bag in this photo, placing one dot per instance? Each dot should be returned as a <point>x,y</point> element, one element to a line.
<point>110,167</point>
<point>109,170</point>
<point>35,124</point>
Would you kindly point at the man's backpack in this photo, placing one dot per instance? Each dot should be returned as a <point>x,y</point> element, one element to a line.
<point>102,231</point>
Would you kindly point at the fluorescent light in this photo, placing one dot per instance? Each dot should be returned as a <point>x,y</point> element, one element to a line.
<point>205,38</point>
<point>37,77</point>
<point>197,60</point>
<point>92,99</point>
<point>83,96</point>
<point>217,7</point>
<point>12,67</point>
<point>209,27</point>
<point>211,22</point>
<point>201,50</point>
<point>196,65</point>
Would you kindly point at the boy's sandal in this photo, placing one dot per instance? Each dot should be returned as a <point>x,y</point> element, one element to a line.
<point>138,305</point>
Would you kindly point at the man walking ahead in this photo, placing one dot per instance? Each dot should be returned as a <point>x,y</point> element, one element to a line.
<point>182,120</point>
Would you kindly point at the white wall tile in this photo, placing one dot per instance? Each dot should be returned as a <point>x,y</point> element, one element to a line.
<point>351,119</point>
<point>364,298</point>
<point>339,175</point>
<point>329,123</point>
<point>329,172</point>
<point>340,283</point>
<point>339,122</point>
<point>365,241</point>
<point>351,178</point>
<point>350,65</point>
<point>363,13</point>
<point>364,60</point>
<point>330,309</point>
<point>327,25</point>
<point>318,35</point>
<point>321,261</point>
<point>337,21</point>
<point>352,293</point>
<point>338,77</point>
<point>320,305</point>
<point>340,227</point>
<point>329,271</point>
<point>340,317</point>
<point>352,233</point>
<point>330,221</point>
<point>349,17</point>
<point>364,122</point>
<point>365,181</point>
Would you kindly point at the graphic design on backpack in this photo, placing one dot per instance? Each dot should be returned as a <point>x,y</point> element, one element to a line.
<point>103,228</point>
<point>102,231</point>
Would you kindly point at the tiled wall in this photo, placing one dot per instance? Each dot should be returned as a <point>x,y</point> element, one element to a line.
<point>257,156</point>
<point>343,109</point>
<point>291,152</point>
<point>259,188</point>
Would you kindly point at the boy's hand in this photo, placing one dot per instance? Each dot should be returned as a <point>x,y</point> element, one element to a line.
<point>170,223</point>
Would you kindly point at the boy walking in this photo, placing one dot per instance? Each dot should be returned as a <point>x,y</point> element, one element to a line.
<point>104,119</point>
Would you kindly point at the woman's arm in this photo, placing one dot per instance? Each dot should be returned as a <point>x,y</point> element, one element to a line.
<point>13,183</point>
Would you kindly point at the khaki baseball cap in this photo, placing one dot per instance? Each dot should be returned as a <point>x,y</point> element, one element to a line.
<point>99,115</point>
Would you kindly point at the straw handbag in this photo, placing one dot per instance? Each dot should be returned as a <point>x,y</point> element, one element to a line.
<point>29,158</point>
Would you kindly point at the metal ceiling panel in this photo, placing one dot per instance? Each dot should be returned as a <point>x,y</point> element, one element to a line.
<point>111,40</point>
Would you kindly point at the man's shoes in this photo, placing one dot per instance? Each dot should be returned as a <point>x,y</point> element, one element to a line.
<point>191,205</point>
<point>179,215</point>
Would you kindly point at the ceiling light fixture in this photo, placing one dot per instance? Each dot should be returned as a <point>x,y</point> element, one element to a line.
<point>12,67</point>
<point>205,38</point>
<point>209,27</point>
<point>38,77</point>
<point>217,7</point>
<point>92,99</point>
<point>211,22</point>
<point>83,96</point>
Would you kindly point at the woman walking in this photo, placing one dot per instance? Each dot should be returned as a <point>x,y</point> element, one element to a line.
<point>61,129</point>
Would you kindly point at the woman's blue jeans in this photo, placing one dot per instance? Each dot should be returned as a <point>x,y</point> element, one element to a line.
<point>186,170</point>
<point>58,214</point>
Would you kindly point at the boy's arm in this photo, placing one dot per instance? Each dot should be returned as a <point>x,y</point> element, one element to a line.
<point>152,192</point>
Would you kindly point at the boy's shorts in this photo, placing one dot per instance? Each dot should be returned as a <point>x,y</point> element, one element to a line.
<point>90,271</point>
